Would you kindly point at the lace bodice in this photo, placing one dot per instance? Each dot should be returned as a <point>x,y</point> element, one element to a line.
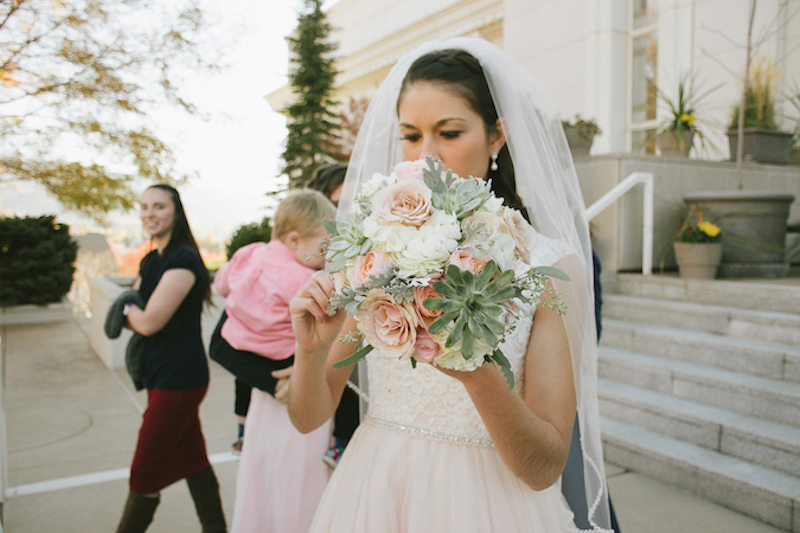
<point>426,401</point>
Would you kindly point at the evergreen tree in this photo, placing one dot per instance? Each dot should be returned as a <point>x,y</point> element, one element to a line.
<point>312,140</point>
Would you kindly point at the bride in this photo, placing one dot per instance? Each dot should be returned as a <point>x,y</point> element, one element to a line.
<point>451,451</point>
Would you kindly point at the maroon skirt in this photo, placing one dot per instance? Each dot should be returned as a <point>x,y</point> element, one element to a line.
<point>171,444</point>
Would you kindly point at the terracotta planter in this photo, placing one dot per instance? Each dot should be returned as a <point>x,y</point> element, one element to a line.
<point>580,143</point>
<point>669,145</point>
<point>698,260</point>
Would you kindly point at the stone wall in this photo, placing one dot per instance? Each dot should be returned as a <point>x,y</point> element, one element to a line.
<point>617,231</point>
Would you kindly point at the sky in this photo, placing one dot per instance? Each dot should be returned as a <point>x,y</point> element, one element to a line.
<point>236,152</point>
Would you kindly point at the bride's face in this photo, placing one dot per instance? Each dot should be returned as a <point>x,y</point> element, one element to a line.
<point>438,122</point>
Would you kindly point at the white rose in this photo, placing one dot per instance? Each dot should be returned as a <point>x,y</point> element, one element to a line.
<point>421,256</point>
<point>492,205</point>
<point>375,183</point>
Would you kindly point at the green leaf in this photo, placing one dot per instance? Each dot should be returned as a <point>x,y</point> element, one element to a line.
<point>489,336</point>
<point>353,251</point>
<point>474,326</point>
<point>467,344</point>
<point>330,227</point>
<point>458,330</point>
<point>441,322</point>
<point>434,304</point>
<point>413,363</point>
<point>503,363</point>
<point>445,289</point>
<point>506,293</point>
<point>504,278</point>
<point>337,264</point>
<point>495,325</point>
<point>450,306</point>
<point>552,272</point>
<point>486,274</point>
<point>492,309</point>
<point>453,275</point>
<point>357,356</point>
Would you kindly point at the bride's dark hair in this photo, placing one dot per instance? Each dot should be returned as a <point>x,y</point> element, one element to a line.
<point>462,73</point>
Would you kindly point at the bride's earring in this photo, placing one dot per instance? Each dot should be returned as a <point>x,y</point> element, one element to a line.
<point>494,162</point>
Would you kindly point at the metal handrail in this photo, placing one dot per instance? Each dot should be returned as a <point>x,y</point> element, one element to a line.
<point>615,193</point>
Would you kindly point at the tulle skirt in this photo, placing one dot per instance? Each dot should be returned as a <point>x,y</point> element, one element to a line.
<point>281,474</point>
<point>390,481</point>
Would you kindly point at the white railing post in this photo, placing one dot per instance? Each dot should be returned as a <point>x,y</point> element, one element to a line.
<point>615,194</point>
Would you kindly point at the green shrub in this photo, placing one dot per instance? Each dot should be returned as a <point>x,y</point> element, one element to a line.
<point>250,233</point>
<point>37,257</point>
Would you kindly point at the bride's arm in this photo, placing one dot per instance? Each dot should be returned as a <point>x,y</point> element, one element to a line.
<point>531,433</point>
<point>315,387</point>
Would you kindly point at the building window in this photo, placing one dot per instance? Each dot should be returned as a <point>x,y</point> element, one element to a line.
<point>643,73</point>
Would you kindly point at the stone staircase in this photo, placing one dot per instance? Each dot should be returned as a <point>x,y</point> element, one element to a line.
<point>700,387</point>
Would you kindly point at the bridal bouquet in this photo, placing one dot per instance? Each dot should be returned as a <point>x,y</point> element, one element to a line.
<point>434,268</point>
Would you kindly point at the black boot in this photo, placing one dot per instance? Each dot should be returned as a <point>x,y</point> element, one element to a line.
<point>138,513</point>
<point>205,493</point>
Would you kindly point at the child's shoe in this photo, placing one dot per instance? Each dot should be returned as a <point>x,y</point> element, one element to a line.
<point>331,457</point>
<point>236,447</point>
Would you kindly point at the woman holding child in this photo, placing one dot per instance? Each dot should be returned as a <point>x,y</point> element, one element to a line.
<point>443,450</point>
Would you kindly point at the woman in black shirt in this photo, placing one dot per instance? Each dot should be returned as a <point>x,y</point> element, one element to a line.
<point>173,282</point>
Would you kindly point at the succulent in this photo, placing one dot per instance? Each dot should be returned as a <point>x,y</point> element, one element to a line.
<point>460,197</point>
<point>346,242</point>
<point>476,305</point>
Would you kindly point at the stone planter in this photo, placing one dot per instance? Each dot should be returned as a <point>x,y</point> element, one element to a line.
<point>698,260</point>
<point>580,142</point>
<point>669,145</point>
<point>103,292</point>
<point>753,230</point>
<point>36,314</point>
<point>762,146</point>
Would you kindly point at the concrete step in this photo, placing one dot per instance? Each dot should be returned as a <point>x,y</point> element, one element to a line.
<point>749,395</point>
<point>774,361</point>
<point>763,326</point>
<point>759,295</point>
<point>767,495</point>
<point>769,444</point>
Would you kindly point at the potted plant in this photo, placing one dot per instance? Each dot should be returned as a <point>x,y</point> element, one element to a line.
<point>580,135</point>
<point>677,132</point>
<point>698,246</point>
<point>794,99</point>
<point>763,141</point>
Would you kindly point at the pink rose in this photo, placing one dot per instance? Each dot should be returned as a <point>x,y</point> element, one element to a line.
<point>427,349</point>
<point>521,231</point>
<point>406,202</point>
<point>390,327</point>
<point>464,260</point>
<point>410,170</point>
<point>426,315</point>
<point>368,265</point>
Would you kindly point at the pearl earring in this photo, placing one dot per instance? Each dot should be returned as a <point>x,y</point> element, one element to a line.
<point>494,162</point>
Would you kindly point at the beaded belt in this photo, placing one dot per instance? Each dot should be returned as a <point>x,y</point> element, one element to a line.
<point>428,433</point>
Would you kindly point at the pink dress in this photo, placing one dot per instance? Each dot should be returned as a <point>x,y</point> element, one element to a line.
<point>281,475</point>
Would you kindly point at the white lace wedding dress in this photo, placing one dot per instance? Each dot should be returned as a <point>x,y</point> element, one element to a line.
<point>423,461</point>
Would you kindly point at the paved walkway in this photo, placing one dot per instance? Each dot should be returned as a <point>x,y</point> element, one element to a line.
<point>72,425</point>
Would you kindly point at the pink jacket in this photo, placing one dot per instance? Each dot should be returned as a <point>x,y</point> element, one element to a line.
<point>259,282</point>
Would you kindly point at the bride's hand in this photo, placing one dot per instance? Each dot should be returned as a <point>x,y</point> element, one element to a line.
<point>313,328</point>
<point>482,374</point>
<point>282,387</point>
